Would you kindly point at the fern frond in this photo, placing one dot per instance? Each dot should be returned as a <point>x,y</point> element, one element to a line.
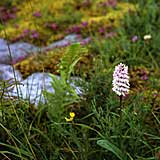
<point>73,54</point>
<point>64,94</point>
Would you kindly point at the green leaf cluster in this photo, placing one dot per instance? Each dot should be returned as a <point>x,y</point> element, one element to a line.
<point>73,54</point>
<point>64,94</point>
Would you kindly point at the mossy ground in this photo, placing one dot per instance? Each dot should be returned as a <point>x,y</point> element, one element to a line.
<point>48,62</point>
<point>42,22</point>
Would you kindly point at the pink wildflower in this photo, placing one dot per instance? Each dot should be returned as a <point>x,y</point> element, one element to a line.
<point>53,26</point>
<point>34,34</point>
<point>37,14</point>
<point>134,38</point>
<point>112,3</point>
<point>121,80</point>
<point>25,32</point>
<point>101,30</point>
<point>76,29</point>
<point>84,24</point>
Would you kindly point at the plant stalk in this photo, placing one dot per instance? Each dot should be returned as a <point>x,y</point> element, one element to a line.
<point>120,108</point>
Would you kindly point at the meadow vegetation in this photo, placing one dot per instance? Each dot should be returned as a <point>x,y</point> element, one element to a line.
<point>88,126</point>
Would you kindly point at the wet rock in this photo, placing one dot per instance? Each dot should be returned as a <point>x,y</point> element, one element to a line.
<point>31,89</point>
<point>16,52</point>
<point>7,72</point>
<point>65,42</point>
<point>12,53</point>
<point>21,50</point>
<point>3,44</point>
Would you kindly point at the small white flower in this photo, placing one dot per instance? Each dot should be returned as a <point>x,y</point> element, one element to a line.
<point>147,37</point>
<point>121,80</point>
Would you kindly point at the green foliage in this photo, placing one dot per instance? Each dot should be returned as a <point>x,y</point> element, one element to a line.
<point>96,132</point>
<point>2,27</point>
<point>145,20</point>
<point>73,54</point>
<point>64,94</point>
<point>111,147</point>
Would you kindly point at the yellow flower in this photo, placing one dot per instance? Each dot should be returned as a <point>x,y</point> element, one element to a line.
<point>72,115</point>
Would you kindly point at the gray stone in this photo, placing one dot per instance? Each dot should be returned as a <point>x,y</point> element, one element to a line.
<point>32,88</point>
<point>12,53</point>
<point>7,72</point>
<point>65,42</point>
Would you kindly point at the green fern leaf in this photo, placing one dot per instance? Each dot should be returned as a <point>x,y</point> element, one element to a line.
<point>73,54</point>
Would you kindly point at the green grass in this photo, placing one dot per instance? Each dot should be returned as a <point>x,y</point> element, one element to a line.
<point>96,131</point>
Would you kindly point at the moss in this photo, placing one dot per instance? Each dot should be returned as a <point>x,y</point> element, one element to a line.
<point>48,62</point>
<point>42,62</point>
<point>51,20</point>
<point>113,16</point>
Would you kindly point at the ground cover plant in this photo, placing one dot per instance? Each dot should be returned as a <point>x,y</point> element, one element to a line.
<point>117,114</point>
<point>48,21</point>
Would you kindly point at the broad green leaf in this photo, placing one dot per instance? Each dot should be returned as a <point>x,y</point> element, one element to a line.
<point>111,147</point>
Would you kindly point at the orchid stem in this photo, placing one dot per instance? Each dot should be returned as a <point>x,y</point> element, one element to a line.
<point>120,107</point>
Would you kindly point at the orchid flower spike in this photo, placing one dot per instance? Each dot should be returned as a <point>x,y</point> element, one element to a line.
<point>121,80</point>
